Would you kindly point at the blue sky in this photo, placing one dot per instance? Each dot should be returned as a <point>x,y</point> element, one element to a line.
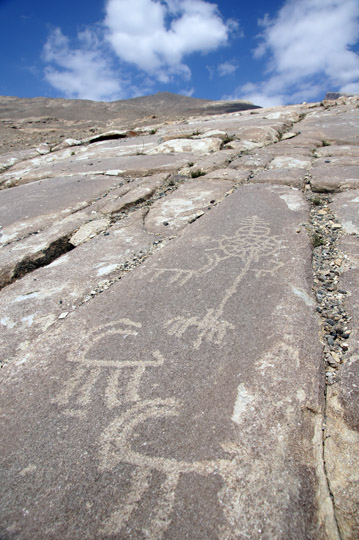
<point>271,52</point>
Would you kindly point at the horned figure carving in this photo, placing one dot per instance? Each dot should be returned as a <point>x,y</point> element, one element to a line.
<point>116,448</point>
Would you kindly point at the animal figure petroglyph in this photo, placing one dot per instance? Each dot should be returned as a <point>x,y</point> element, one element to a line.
<point>123,377</point>
<point>115,443</point>
<point>116,448</point>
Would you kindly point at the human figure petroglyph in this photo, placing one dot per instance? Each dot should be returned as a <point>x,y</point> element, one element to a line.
<point>251,242</point>
<point>252,239</point>
<point>116,448</point>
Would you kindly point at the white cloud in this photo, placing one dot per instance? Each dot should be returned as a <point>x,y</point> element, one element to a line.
<point>156,37</point>
<point>83,72</point>
<point>227,68</point>
<point>309,45</point>
<point>152,36</point>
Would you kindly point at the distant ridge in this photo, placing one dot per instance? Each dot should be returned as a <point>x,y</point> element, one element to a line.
<point>28,121</point>
<point>161,105</point>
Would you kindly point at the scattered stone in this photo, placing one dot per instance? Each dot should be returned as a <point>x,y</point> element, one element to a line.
<point>253,137</point>
<point>203,146</point>
<point>43,149</point>
<point>286,162</point>
<point>89,230</point>
<point>330,377</point>
<point>334,359</point>
<point>288,135</point>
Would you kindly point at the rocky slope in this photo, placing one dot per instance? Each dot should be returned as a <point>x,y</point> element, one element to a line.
<point>26,122</point>
<point>179,326</point>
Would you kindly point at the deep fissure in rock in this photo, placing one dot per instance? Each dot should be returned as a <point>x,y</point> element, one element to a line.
<point>325,231</point>
<point>54,251</point>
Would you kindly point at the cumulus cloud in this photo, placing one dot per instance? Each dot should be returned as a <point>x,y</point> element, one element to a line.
<point>156,37</point>
<point>82,72</point>
<point>151,36</point>
<point>309,47</point>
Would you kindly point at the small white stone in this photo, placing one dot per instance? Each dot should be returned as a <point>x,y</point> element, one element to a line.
<point>288,135</point>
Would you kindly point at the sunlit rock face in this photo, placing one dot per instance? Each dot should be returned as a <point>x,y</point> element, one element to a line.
<point>179,319</point>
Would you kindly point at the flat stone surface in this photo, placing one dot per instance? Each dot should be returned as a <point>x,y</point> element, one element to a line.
<point>307,139</point>
<point>290,177</point>
<point>342,415</point>
<point>257,160</point>
<point>233,123</point>
<point>258,135</point>
<point>128,195</point>
<point>293,149</point>
<point>137,165</point>
<point>346,208</point>
<point>113,148</point>
<point>89,230</point>
<point>11,158</point>
<point>336,161</point>
<point>133,413</point>
<point>232,175</point>
<point>31,306</point>
<point>208,163</point>
<point>331,179</point>
<point>169,215</point>
<point>339,127</point>
<point>25,170</point>
<point>19,257</point>
<point>338,150</point>
<point>32,240</point>
<point>288,113</point>
<point>55,196</point>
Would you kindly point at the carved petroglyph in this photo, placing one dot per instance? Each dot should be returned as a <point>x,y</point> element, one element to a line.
<point>116,448</point>
<point>130,392</point>
<point>123,377</point>
<point>211,327</point>
<point>252,239</point>
<point>251,242</point>
<point>140,482</point>
<point>118,381</point>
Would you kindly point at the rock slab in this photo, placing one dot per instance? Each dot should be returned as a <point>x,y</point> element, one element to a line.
<point>179,390</point>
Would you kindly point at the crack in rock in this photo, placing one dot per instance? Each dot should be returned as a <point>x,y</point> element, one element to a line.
<point>327,263</point>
